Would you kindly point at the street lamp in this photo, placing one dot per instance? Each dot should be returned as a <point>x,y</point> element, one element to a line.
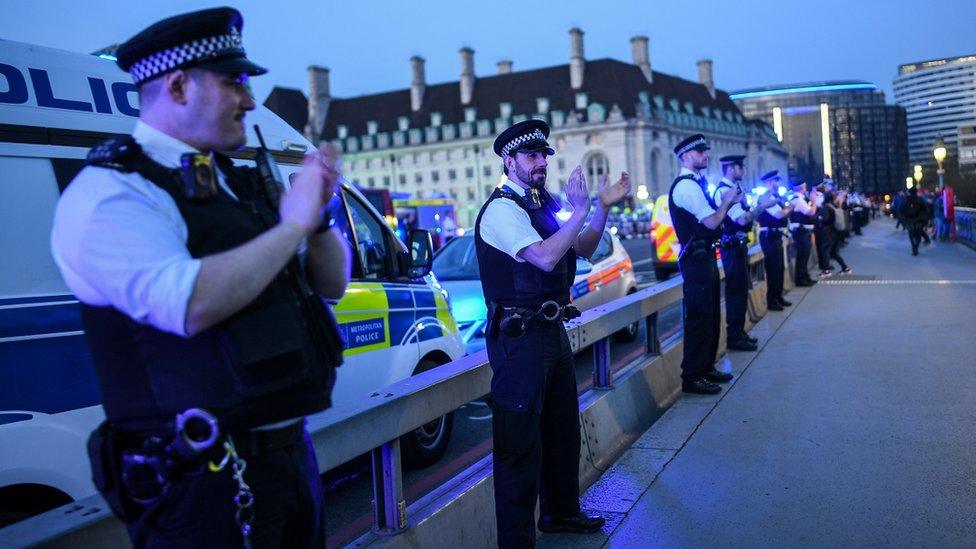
<point>939,152</point>
<point>918,174</point>
<point>909,182</point>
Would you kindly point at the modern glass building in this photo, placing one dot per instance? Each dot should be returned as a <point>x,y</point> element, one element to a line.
<point>939,96</point>
<point>843,129</point>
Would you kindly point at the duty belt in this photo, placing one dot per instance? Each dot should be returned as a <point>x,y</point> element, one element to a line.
<point>699,249</point>
<point>516,321</point>
<point>795,226</point>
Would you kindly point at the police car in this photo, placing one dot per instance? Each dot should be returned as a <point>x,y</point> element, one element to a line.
<point>55,105</point>
<point>608,275</point>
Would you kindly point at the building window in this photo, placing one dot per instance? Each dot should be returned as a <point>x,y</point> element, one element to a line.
<point>596,165</point>
<point>371,182</point>
<point>371,127</point>
<point>386,181</point>
<point>435,176</point>
<point>342,131</point>
<point>470,194</point>
<point>542,105</point>
<point>505,109</point>
<point>470,114</point>
<point>561,164</point>
<point>403,179</point>
<point>581,100</point>
<point>403,123</point>
<point>469,173</point>
<point>435,119</point>
<point>418,178</point>
<point>451,174</point>
<point>487,171</point>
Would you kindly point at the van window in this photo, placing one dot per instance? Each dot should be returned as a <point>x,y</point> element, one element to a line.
<point>370,238</point>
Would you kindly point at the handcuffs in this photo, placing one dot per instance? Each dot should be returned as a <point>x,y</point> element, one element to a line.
<point>516,324</point>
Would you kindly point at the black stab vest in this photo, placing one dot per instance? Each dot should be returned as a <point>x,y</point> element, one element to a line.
<point>273,360</point>
<point>521,284</point>
<point>766,219</point>
<point>686,225</point>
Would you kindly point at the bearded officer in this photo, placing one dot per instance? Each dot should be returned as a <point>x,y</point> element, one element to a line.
<point>193,297</point>
<point>772,221</point>
<point>697,220</point>
<point>527,260</point>
<point>735,253</point>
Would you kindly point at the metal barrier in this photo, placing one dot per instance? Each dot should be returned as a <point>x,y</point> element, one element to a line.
<point>374,424</point>
<point>966,226</point>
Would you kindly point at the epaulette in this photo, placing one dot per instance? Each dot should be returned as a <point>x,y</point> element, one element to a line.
<point>113,153</point>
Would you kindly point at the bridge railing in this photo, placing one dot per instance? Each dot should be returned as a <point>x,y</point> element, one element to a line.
<point>966,226</point>
<point>375,424</point>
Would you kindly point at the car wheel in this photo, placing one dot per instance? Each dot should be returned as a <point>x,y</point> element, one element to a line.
<point>630,332</point>
<point>426,444</point>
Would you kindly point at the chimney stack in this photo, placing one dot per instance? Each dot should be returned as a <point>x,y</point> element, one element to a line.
<point>467,75</point>
<point>576,61</point>
<point>638,51</point>
<point>418,83</point>
<point>705,76</point>
<point>319,97</point>
<point>505,66</point>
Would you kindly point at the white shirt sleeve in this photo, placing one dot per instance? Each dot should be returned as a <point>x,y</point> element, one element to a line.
<point>801,206</point>
<point>505,226</point>
<point>688,196</point>
<point>119,240</point>
<point>774,210</point>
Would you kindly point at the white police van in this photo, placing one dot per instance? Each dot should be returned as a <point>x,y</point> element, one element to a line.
<point>55,105</point>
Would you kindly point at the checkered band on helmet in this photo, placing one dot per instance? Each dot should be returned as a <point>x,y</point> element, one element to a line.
<point>184,54</point>
<point>535,135</point>
<point>696,143</point>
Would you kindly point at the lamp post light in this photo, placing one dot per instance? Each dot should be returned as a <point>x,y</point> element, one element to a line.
<point>939,152</point>
<point>918,174</point>
<point>909,182</point>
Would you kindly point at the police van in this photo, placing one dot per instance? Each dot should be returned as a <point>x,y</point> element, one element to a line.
<point>54,106</point>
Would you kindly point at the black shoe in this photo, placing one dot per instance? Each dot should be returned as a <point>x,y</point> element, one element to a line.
<point>700,386</point>
<point>774,307</point>
<point>716,376</point>
<point>740,345</point>
<point>580,524</point>
<point>784,303</point>
<point>750,339</point>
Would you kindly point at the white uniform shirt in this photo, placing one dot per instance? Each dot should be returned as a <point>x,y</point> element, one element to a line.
<point>688,195</point>
<point>736,213</point>
<point>120,240</point>
<point>506,227</point>
<point>801,205</point>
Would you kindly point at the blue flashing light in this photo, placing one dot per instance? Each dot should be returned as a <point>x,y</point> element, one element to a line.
<point>108,57</point>
<point>803,89</point>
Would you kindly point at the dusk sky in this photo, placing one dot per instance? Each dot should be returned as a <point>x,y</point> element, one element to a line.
<point>367,43</point>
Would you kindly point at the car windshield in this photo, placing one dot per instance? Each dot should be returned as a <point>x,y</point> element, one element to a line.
<point>457,260</point>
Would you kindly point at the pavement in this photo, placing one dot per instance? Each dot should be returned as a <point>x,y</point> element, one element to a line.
<point>853,424</point>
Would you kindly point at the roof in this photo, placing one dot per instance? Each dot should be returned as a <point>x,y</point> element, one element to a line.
<point>606,81</point>
<point>291,105</point>
<point>807,87</point>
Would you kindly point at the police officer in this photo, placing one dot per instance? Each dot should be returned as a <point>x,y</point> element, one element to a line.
<point>697,220</point>
<point>735,253</point>
<point>527,260</point>
<point>802,220</point>
<point>207,339</point>
<point>772,221</point>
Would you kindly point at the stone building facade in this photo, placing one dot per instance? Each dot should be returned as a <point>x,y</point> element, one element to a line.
<point>606,115</point>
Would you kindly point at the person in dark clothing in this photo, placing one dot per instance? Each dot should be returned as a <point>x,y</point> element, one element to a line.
<point>914,215</point>
<point>527,259</point>
<point>200,295</point>
<point>772,222</point>
<point>802,220</point>
<point>698,221</point>
<point>835,224</point>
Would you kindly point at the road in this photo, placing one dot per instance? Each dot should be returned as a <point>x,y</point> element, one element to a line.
<point>348,490</point>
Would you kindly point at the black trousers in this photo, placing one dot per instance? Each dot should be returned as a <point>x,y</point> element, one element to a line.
<point>803,246</point>
<point>772,247</point>
<point>199,510</point>
<point>915,233</point>
<point>735,263</point>
<point>824,242</point>
<point>536,430</point>
<point>702,313</point>
<point>836,241</point>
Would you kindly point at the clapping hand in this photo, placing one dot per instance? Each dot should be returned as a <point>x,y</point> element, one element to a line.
<point>611,194</point>
<point>767,201</point>
<point>576,191</point>
<point>732,195</point>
